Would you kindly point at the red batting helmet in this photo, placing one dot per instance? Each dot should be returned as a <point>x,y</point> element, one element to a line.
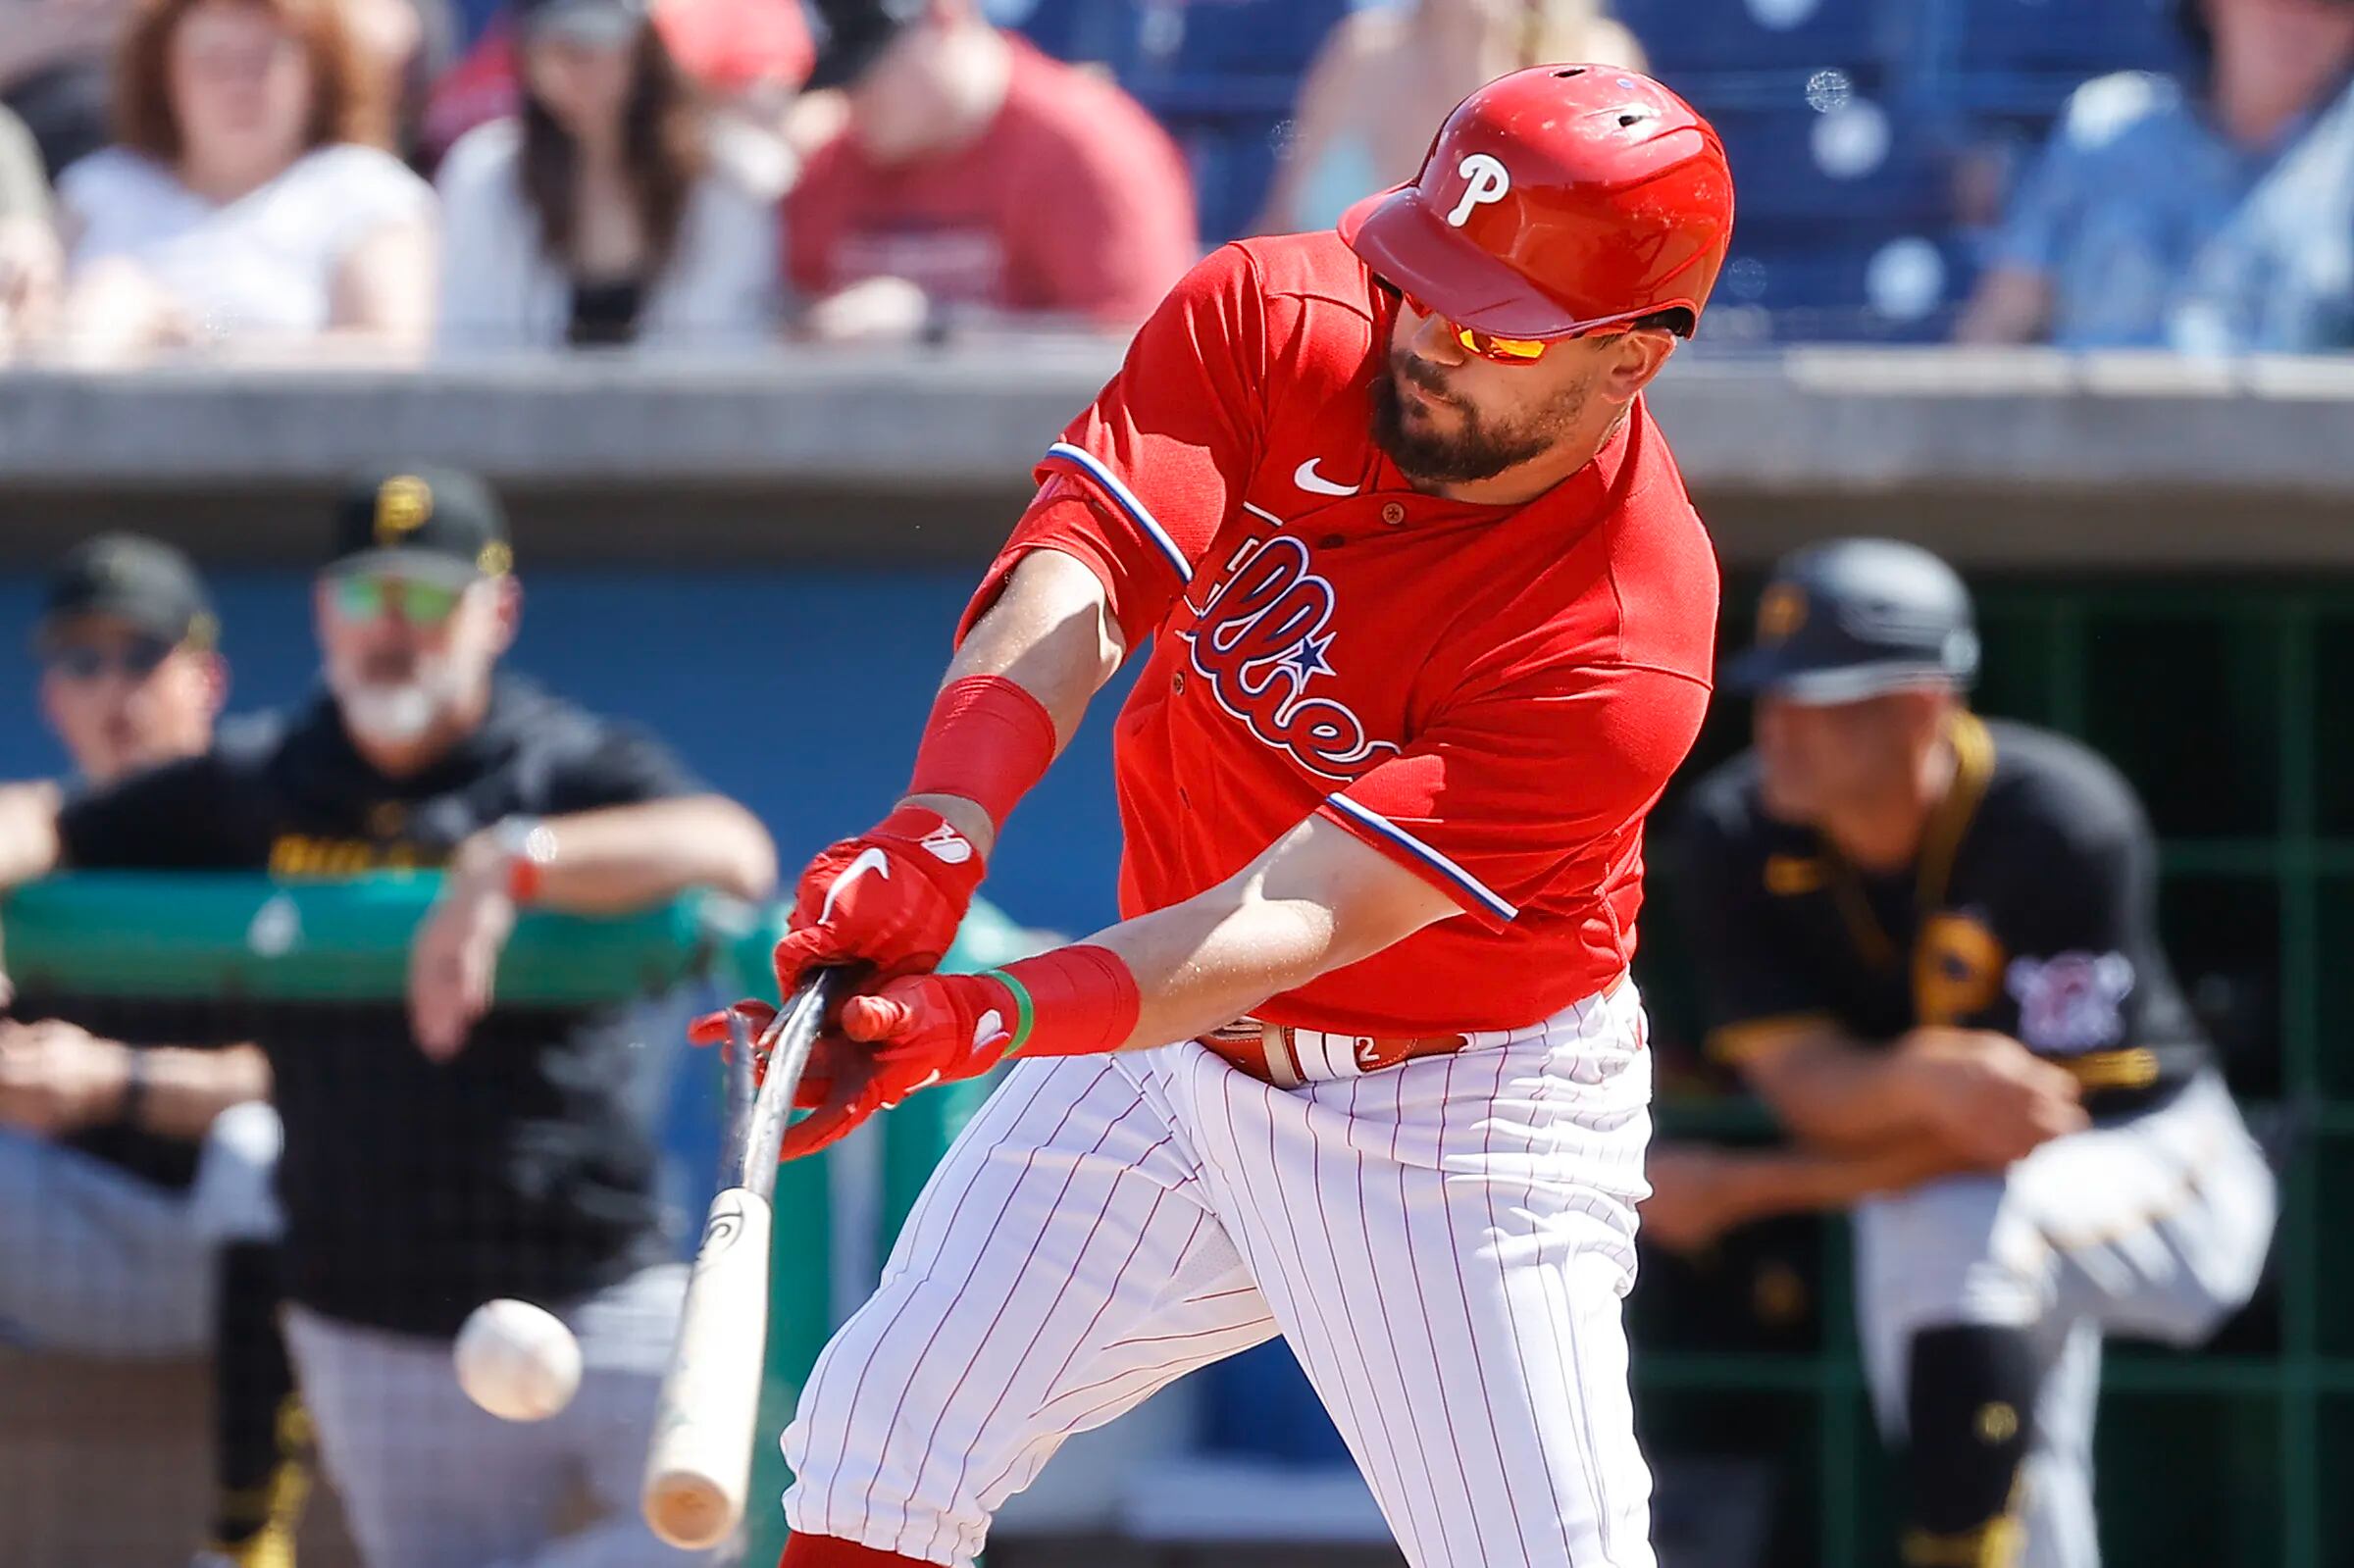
<point>1556,200</point>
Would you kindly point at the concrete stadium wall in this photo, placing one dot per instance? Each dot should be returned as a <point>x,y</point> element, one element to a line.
<point>2006,459</point>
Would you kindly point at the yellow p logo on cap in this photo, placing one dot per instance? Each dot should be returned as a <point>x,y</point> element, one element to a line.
<point>402,505</point>
<point>1781,612</point>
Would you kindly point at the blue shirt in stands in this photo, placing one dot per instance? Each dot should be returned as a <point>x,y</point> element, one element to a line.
<point>2155,230</point>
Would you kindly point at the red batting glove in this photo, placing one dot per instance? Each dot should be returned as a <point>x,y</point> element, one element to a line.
<point>916,1032</point>
<point>826,1056</point>
<point>916,1022</point>
<point>923,1029</point>
<point>891,898</point>
<point>846,1079</point>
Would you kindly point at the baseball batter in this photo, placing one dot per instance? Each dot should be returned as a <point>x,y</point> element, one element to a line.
<point>1431,622</point>
<point>1930,944</point>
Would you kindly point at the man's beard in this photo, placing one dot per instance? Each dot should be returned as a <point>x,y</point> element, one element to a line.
<point>1478,450</point>
<point>393,706</point>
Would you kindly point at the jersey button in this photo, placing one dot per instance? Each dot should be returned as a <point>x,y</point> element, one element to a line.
<point>1393,513</point>
<point>1177,681</point>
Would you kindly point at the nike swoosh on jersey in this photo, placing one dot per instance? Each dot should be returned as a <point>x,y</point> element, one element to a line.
<point>989,1030</point>
<point>869,859</point>
<point>1314,483</point>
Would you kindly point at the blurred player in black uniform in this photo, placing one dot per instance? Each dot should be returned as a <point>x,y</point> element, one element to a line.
<point>453,1150</point>
<point>136,1215</point>
<point>1928,943</point>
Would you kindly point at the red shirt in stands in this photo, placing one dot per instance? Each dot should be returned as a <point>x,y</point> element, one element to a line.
<point>1494,696</point>
<point>1073,201</point>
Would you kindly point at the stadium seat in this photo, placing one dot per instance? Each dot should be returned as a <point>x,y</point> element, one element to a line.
<point>2064,37</point>
<point>1222,75</point>
<point>1144,38</point>
<point>1865,285</point>
<point>1841,118</point>
<point>1853,161</point>
<point>1232,161</point>
<point>1719,36</point>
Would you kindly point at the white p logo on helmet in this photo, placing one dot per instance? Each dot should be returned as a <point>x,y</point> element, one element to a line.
<point>1487,181</point>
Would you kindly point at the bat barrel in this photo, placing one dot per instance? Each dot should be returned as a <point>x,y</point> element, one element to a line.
<point>698,1466</point>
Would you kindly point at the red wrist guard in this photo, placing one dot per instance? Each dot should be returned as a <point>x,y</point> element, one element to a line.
<point>1072,1002</point>
<point>988,740</point>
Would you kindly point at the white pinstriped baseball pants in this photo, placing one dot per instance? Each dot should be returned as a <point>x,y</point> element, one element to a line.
<point>1445,1244</point>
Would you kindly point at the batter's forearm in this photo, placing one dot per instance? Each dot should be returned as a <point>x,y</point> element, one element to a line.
<point>1204,963</point>
<point>1316,900</point>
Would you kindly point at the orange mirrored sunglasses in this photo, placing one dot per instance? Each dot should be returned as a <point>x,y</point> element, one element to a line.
<point>1487,345</point>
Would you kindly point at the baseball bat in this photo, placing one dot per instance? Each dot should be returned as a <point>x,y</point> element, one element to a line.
<point>698,1466</point>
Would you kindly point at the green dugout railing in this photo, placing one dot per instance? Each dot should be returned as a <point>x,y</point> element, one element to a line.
<point>246,942</point>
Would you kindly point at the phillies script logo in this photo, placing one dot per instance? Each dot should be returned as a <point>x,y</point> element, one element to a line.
<point>1260,640</point>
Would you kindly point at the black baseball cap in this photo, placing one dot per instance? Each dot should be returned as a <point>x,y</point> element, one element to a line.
<point>856,33</point>
<point>437,524</point>
<point>128,578</point>
<point>1852,618</point>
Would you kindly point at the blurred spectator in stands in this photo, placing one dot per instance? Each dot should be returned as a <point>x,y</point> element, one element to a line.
<point>2211,215</point>
<point>745,59</point>
<point>55,62</point>
<point>1386,73</point>
<point>249,201</point>
<point>856,32</point>
<point>30,263</point>
<point>978,180</point>
<point>611,212</point>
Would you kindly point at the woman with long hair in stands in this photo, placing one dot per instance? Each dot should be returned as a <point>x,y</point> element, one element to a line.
<point>612,210</point>
<point>1385,75</point>
<point>249,201</point>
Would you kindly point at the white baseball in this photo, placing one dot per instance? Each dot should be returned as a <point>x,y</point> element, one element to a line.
<point>517,1361</point>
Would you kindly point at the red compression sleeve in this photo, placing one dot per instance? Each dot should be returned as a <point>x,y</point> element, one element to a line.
<point>988,740</point>
<point>1072,1002</point>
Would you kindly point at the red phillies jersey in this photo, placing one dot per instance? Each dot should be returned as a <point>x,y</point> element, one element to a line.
<point>1493,696</point>
<point>1073,201</point>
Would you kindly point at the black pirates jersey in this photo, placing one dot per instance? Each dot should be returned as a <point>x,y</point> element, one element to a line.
<point>2031,910</point>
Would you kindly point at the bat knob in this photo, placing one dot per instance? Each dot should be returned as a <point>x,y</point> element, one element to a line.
<point>689,1512</point>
